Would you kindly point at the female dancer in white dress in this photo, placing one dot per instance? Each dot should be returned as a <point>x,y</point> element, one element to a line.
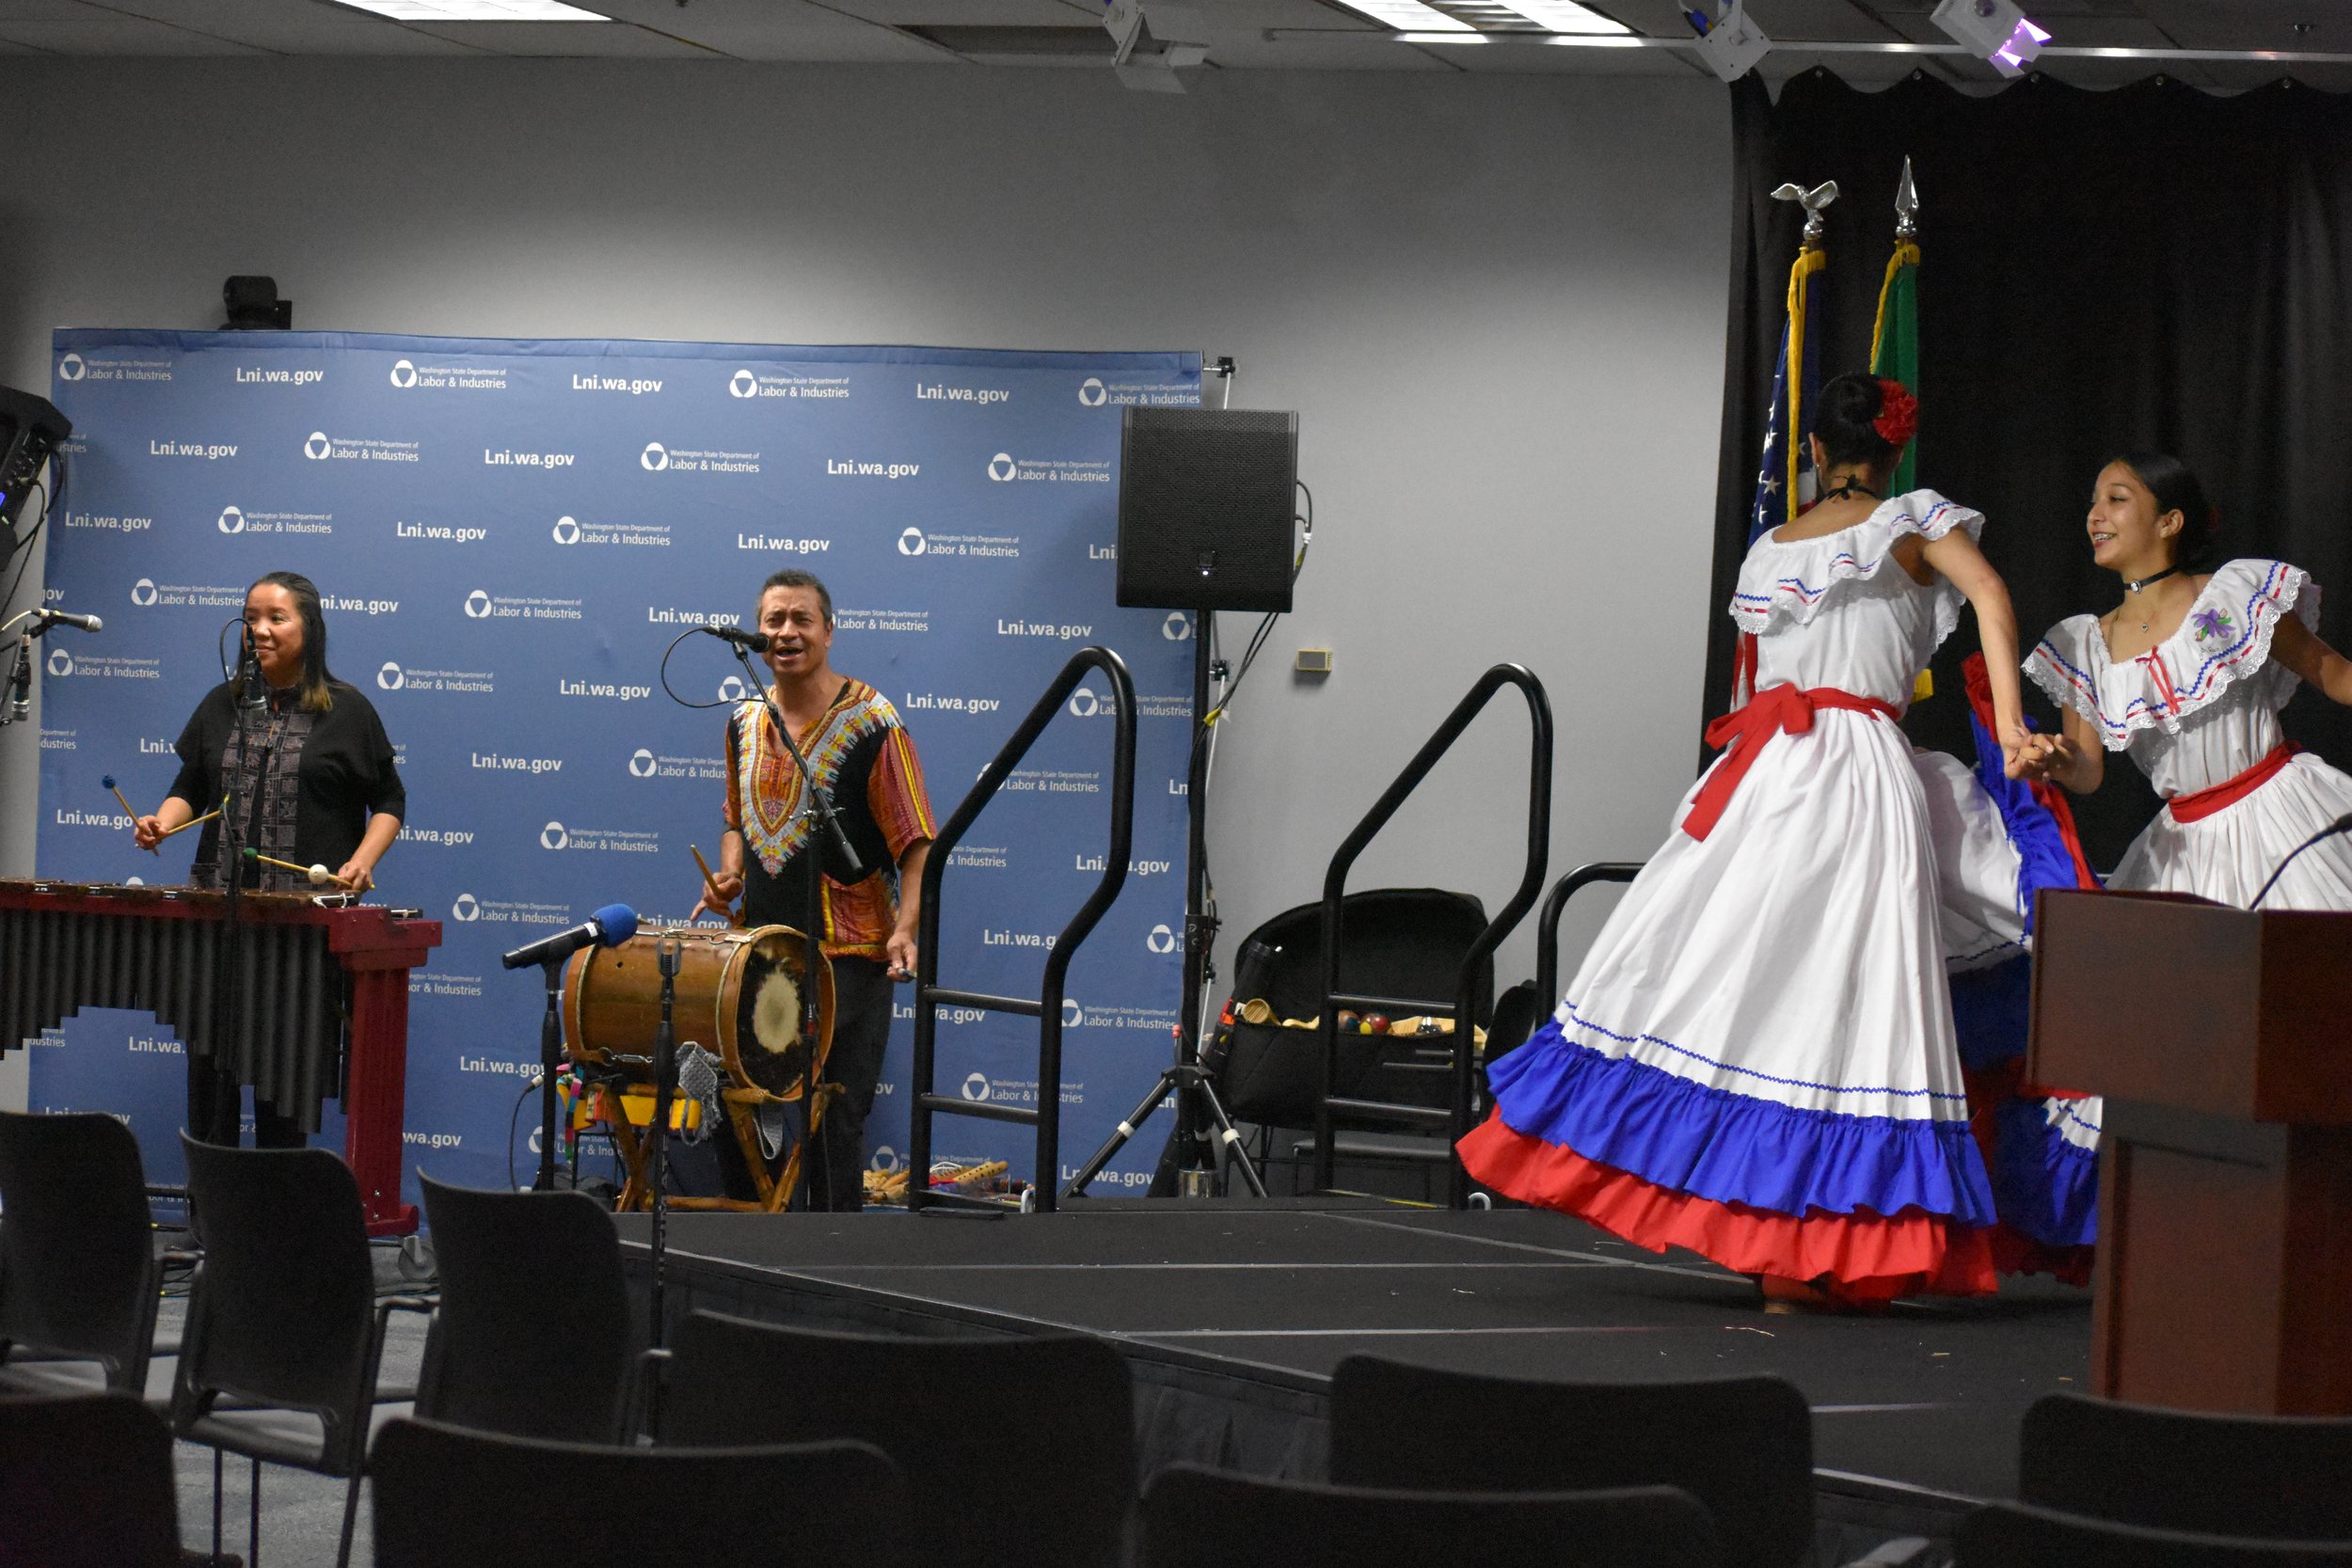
<point>1756,1059</point>
<point>2187,675</point>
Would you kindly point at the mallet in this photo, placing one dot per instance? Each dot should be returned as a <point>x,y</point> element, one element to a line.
<point>319,875</point>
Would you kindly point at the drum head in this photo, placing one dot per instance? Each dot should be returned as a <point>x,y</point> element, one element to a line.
<point>768,1023</point>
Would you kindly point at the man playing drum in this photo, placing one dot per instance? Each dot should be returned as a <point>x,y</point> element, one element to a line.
<point>864,758</point>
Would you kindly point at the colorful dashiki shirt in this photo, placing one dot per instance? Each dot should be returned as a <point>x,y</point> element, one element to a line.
<point>865,760</point>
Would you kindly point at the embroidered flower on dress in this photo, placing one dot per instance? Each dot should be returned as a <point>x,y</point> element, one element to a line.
<point>2213,622</point>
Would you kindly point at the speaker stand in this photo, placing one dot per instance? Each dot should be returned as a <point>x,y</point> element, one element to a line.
<point>1197,1166</point>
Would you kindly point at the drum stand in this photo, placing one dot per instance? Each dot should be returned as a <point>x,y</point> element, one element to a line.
<point>658,1135</point>
<point>818,805</point>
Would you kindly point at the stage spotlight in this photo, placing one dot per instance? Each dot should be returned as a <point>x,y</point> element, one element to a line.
<point>1146,57</point>
<point>1730,43</point>
<point>1995,29</point>
<point>254,306</point>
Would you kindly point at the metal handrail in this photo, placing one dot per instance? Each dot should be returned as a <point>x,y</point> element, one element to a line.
<point>1506,919</point>
<point>1556,903</point>
<point>928,993</point>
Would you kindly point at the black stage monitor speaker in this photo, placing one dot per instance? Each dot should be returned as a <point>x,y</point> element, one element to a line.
<point>30,429</point>
<point>1207,498</point>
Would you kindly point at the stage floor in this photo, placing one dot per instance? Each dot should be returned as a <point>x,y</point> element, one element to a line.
<point>1251,1306</point>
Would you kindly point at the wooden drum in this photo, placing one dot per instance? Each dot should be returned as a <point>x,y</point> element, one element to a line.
<point>738,994</point>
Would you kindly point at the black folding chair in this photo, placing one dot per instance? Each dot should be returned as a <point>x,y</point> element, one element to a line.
<point>445,1495</point>
<point>532,1335</point>
<point>79,1278</point>
<point>1192,1516</point>
<point>284,1327</point>
<point>2015,1535</point>
<point>86,1483</point>
<point>1015,1450</point>
<point>2272,1477</point>
<point>1743,1446</point>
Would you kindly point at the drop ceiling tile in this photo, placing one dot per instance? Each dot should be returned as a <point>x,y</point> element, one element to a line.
<point>788,29</point>
<point>1547,61</point>
<point>566,40</point>
<point>98,32</point>
<point>1292,51</point>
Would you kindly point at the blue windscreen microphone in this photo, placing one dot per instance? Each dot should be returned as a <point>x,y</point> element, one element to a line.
<point>609,927</point>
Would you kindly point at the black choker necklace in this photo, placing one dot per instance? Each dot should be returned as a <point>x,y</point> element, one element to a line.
<point>2139,583</point>
<point>1849,485</point>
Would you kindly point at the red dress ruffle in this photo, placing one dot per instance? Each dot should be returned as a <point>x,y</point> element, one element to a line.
<point>1864,1256</point>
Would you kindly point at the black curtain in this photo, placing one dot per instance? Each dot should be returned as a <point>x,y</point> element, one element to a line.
<point>2152,266</point>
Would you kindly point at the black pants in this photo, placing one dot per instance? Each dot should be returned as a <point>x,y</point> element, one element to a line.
<point>835,1177</point>
<point>216,1105</point>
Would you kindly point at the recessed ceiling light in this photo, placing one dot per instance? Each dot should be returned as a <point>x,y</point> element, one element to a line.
<point>1442,38</point>
<point>475,10</point>
<point>1565,16</point>
<point>1411,15</point>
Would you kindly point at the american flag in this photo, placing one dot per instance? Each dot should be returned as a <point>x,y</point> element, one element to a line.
<point>1784,485</point>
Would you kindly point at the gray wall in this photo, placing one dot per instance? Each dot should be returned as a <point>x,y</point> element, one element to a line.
<point>1497,302</point>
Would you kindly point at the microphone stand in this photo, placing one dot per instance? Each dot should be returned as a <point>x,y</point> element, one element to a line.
<point>228,848</point>
<point>657,1135</point>
<point>551,1056</point>
<point>815,803</point>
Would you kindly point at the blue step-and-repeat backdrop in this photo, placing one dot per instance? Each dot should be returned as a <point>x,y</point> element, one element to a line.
<point>507,535</point>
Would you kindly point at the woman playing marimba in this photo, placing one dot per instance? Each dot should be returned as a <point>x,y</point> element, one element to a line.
<point>309,778</point>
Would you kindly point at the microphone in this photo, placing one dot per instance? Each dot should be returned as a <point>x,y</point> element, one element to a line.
<point>63,618</point>
<point>752,641</point>
<point>610,927</point>
<point>2341,825</point>
<point>252,692</point>
<point>21,689</point>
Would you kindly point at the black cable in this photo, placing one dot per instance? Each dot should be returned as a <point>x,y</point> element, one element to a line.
<point>513,1124</point>
<point>724,702</point>
<point>2342,824</point>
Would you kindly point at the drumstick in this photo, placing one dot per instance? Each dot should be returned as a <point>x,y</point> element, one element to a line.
<point>712,882</point>
<point>191,822</point>
<point>319,875</point>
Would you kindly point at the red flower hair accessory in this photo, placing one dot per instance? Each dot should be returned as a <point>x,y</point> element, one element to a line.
<point>1898,414</point>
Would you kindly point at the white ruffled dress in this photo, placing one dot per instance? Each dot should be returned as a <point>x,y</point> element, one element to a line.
<point>1757,1059</point>
<point>2196,711</point>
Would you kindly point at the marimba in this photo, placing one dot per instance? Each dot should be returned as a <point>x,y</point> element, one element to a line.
<point>302,963</point>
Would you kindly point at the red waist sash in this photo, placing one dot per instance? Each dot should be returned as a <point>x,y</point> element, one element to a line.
<point>2200,804</point>
<point>1775,710</point>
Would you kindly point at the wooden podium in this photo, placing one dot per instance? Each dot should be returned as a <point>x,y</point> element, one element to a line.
<point>2222,1040</point>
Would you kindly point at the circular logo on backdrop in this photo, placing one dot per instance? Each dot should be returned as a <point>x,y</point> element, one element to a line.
<point>732,690</point>
<point>641,764</point>
<point>134,882</point>
<point>552,836</point>
<point>1091,392</point>
<point>743,383</point>
<point>1072,1014</point>
<point>318,446</point>
<point>1002,467</point>
<point>478,605</point>
<point>975,1087</point>
<point>143,591</point>
<point>912,543</point>
<point>885,1157</point>
<point>1084,704</point>
<point>391,677</point>
<point>466,908</point>
<point>60,662</point>
<point>1161,939</point>
<point>231,520</point>
<point>70,367</point>
<point>1177,627</point>
<point>656,456</point>
<point>403,374</point>
<point>566,532</point>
